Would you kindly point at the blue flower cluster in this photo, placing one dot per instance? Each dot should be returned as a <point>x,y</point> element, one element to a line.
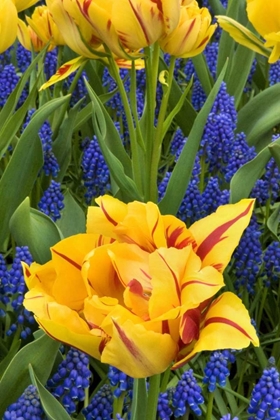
<point>8,81</point>
<point>271,259</point>
<point>51,166</point>
<point>120,382</point>
<point>96,174</point>
<point>265,399</point>
<point>187,394</point>
<point>217,370</point>
<point>27,407</point>
<point>52,201</point>
<point>101,405</point>
<point>13,288</point>
<point>248,258</point>
<point>73,376</point>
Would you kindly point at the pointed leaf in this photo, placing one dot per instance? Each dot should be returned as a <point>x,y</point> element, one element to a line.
<point>52,407</point>
<point>41,353</point>
<point>28,226</point>
<point>72,219</point>
<point>23,167</point>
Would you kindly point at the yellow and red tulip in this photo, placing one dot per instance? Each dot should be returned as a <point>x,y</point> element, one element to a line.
<point>138,289</point>
<point>140,23</point>
<point>192,33</point>
<point>40,30</point>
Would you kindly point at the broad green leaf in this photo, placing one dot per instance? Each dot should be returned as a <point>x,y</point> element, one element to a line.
<point>259,116</point>
<point>72,219</point>
<point>139,402</point>
<point>28,226</point>
<point>7,360</point>
<point>62,146</point>
<point>217,7</point>
<point>182,171</point>
<point>245,178</point>
<point>107,133</point>
<point>274,149</point>
<point>23,167</point>
<point>273,221</point>
<point>41,353</point>
<point>52,407</point>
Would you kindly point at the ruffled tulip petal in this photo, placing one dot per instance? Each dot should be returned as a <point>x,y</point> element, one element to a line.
<point>143,226</point>
<point>104,218</point>
<point>138,352</point>
<point>226,325</point>
<point>176,233</point>
<point>218,235</point>
<point>99,274</point>
<point>63,324</point>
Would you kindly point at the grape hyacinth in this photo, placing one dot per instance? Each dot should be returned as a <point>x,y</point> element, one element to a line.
<point>101,405</point>
<point>96,174</point>
<point>24,58</point>
<point>265,398</point>
<point>27,407</point>
<point>68,384</point>
<point>164,410</point>
<point>8,81</point>
<point>13,288</point>
<point>216,370</point>
<point>119,381</point>
<point>271,260</point>
<point>228,417</point>
<point>248,258</point>
<point>52,201</point>
<point>50,166</point>
<point>187,394</point>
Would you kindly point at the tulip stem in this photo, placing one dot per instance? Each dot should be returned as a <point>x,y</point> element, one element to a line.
<point>136,164</point>
<point>157,143</point>
<point>210,406</point>
<point>154,386</point>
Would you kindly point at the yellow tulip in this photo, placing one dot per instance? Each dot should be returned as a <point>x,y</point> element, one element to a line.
<point>140,23</point>
<point>138,289</point>
<point>8,24</point>
<point>192,33</point>
<point>28,38</point>
<point>265,17</point>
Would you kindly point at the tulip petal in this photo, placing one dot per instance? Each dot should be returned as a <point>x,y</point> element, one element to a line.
<point>64,324</point>
<point>242,35</point>
<point>176,233</point>
<point>142,226</point>
<point>218,235</point>
<point>265,16</point>
<point>64,71</point>
<point>104,219</point>
<point>227,325</point>
<point>138,352</point>
<point>99,274</point>
<point>8,24</point>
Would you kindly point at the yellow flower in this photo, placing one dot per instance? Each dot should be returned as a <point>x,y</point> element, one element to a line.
<point>40,30</point>
<point>138,289</point>
<point>140,23</point>
<point>8,24</point>
<point>265,17</point>
<point>192,33</point>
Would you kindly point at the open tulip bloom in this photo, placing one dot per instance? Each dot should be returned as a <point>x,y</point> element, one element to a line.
<point>139,289</point>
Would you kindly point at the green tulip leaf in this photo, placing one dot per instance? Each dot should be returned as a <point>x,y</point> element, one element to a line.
<point>245,178</point>
<point>28,226</point>
<point>42,354</point>
<point>259,116</point>
<point>273,221</point>
<point>23,168</point>
<point>72,219</point>
<point>7,359</point>
<point>52,408</point>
